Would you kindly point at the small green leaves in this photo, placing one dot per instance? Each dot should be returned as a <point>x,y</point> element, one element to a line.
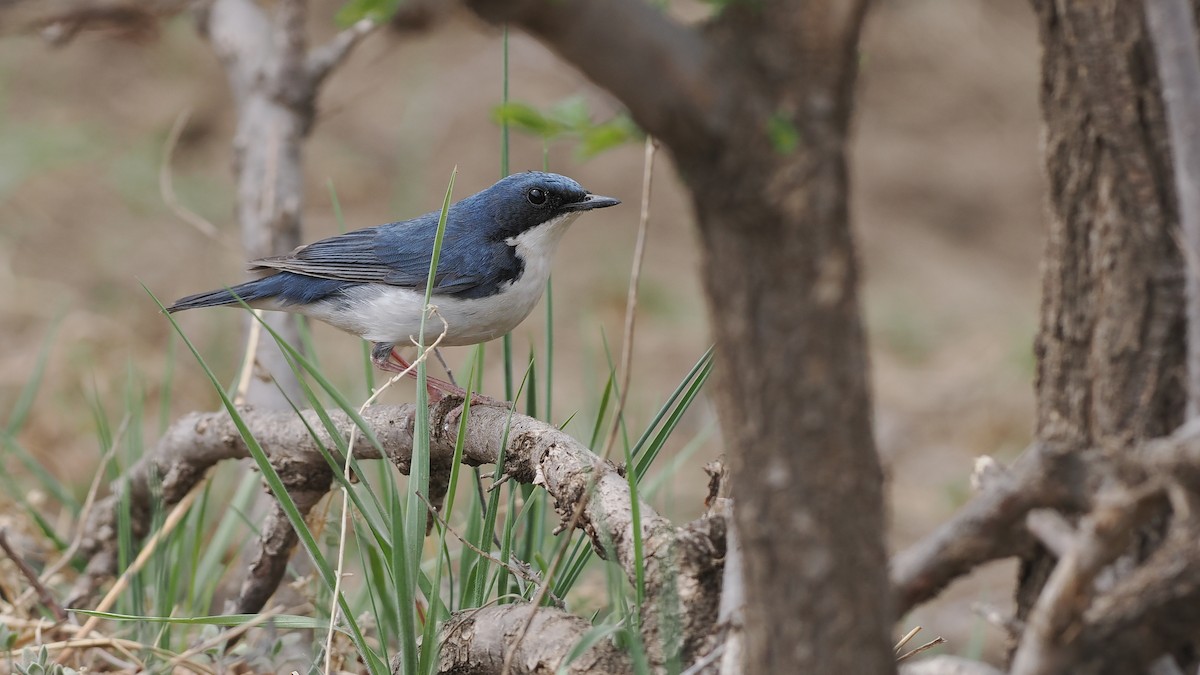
<point>617,131</point>
<point>378,11</point>
<point>7,638</point>
<point>569,118</point>
<point>526,118</point>
<point>38,663</point>
<point>783,134</point>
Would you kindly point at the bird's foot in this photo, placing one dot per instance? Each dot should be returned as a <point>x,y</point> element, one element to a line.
<point>385,357</point>
<point>439,389</point>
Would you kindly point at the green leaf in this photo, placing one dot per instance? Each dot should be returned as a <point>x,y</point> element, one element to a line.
<point>617,131</point>
<point>572,113</point>
<point>568,118</point>
<point>378,11</point>
<point>526,118</point>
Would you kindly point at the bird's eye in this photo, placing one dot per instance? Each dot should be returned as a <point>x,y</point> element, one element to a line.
<point>536,196</point>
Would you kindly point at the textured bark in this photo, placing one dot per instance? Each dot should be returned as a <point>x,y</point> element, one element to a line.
<point>780,272</point>
<point>474,642</point>
<point>264,62</point>
<point>755,109</point>
<point>682,565</point>
<point>1110,346</point>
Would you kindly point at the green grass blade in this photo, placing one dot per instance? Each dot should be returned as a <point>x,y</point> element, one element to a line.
<point>704,363</point>
<point>588,640</point>
<point>650,452</point>
<point>548,395</point>
<point>290,621</point>
<point>649,445</point>
<point>415,512</point>
<point>373,661</point>
<point>531,394</point>
<point>506,341</point>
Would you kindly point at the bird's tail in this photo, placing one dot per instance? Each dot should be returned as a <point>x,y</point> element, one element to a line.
<point>248,292</point>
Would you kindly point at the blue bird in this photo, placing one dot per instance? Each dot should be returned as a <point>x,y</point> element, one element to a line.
<point>495,260</point>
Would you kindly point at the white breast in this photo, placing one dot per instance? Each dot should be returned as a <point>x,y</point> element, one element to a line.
<point>382,313</point>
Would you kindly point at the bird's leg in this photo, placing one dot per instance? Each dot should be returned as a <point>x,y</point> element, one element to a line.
<point>385,357</point>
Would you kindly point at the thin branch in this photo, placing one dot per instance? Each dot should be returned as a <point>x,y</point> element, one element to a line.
<point>989,527</point>
<point>323,59</point>
<point>1146,613</point>
<point>925,647</point>
<point>631,301</point>
<point>1104,535</point>
<point>906,639</point>
<point>1052,530</point>
<point>44,595</point>
<point>706,661</point>
<point>240,35</point>
<point>731,610</point>
<point>249,358</point>
<point>166,187</point>
<point>277,540</point>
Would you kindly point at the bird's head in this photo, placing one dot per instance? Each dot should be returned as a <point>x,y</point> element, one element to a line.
<point>533,200</point>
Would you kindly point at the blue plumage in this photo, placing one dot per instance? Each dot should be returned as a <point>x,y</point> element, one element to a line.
<point>475,262</point>
<point>285,287</point>
<point>494,261</point>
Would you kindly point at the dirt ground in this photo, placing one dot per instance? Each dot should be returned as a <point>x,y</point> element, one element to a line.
<point>947,204</point>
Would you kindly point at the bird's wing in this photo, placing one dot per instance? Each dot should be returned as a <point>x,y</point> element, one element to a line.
<point>397,254</point>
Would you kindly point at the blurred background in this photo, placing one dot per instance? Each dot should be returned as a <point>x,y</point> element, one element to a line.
<point>947,206</point>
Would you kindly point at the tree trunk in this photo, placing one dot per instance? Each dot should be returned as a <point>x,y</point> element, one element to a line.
<point>755,110</point>
<point>780,273</point>
<point>1111,344</point>
<point>264,58</point>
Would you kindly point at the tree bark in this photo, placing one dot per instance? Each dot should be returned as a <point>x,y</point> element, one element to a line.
<point>755,108</point>
<point>780,273</point>
<point>1110,347</point>
<point>264,58</point>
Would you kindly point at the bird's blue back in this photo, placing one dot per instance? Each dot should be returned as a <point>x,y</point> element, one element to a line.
<point>475,259</point>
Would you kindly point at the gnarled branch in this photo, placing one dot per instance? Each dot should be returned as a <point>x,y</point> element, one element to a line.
<point>682,566</point>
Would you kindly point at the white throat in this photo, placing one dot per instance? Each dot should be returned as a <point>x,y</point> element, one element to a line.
<point>537,245</point>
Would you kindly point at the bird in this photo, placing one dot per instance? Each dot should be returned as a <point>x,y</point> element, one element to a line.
<point>495,260</point>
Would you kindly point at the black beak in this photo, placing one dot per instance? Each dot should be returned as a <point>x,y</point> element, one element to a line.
<point>591,202</point>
